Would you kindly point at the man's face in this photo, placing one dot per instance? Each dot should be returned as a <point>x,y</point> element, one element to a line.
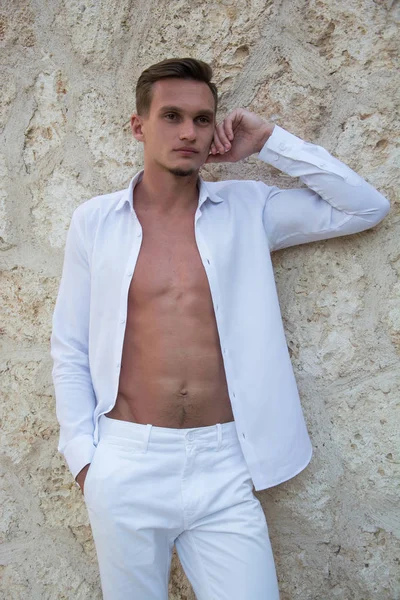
<point>181,115</point>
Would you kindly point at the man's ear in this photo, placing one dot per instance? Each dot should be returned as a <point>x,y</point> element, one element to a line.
<point>136,127</point>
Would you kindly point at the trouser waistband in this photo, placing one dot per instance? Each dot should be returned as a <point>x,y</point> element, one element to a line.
<point>145,434</point>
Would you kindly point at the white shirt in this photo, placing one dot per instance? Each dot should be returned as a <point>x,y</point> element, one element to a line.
<point>237,225</point>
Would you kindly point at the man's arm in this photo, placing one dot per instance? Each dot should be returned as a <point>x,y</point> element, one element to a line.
<point>75,398</point>
<point>337,201</point>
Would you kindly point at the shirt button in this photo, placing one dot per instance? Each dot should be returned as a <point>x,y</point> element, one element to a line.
<point>130,273</point>
<point>282,146</point>
<point>122,320</point>
<point>118,365</point>
<point>139,234</point>
<point>322,165</point>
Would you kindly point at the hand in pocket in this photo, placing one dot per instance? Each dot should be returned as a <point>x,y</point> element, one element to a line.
<point>80,478</point>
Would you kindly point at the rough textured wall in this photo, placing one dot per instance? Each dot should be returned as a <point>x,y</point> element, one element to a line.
<point>324,70</point>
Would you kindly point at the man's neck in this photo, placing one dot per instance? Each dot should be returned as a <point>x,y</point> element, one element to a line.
<point>166,194</point>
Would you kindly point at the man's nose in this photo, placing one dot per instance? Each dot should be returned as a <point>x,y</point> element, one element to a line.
<point>188,131</point>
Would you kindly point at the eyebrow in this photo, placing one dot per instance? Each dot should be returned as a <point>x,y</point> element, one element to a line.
<point>205,111</point>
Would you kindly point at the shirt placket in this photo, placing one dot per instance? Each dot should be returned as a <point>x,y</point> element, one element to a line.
<point>137,236</point>
<point>210,270</point>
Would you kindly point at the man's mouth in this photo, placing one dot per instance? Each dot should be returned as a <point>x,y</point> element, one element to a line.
<point>187,150</point>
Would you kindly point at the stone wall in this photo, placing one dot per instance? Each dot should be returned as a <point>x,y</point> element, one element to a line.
<point>324,70</point>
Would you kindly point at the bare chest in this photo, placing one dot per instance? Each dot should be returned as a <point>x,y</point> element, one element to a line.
<point>169,263</point>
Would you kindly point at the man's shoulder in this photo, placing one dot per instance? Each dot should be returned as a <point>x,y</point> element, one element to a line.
<point>237,189</point>
<point>101,204</point>
<point>109,200</point>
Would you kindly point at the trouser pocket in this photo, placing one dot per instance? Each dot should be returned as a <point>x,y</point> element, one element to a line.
<point>90,473</point>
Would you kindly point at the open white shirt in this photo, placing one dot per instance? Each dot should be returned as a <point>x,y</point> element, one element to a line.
<point>237,224</point>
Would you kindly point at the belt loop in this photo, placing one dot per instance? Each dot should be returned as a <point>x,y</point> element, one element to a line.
<point>147,438</point>
<point>219,435</point>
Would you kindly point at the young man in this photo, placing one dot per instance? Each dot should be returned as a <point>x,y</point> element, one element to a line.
<point>175,392</point>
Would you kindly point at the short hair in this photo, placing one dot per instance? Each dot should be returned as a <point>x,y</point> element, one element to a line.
<point>182,68</point>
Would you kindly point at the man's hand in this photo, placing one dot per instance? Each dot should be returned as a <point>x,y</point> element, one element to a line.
<point>80,478</point>
<point>240,134</point>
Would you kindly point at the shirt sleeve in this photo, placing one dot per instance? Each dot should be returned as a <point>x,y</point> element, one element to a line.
<point>75,398</point>
<point>337,201</point>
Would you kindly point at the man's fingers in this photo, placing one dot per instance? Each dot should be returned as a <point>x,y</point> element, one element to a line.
<point>214,158</point>
<point>222,133</point>
<point>224,136</point>
<point>229,128</point>
<point>217,142</point>
<point>213,149</point>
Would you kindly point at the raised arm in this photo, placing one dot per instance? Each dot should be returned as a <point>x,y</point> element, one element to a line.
<point>75,398</point>
<point>336,202</point>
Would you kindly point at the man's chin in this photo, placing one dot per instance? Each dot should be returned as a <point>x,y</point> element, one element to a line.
<point>181,172</point>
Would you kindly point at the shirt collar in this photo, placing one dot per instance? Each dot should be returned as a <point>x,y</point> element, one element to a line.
<point>204,193</point>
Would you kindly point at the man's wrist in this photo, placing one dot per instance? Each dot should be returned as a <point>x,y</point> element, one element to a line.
<point>82,475</point>
<point>266,132</point>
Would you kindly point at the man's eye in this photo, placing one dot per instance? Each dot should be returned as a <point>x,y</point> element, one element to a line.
<point>204,119</point>
<point>170,115</point>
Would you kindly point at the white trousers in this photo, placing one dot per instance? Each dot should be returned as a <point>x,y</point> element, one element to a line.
<point>148,488</point>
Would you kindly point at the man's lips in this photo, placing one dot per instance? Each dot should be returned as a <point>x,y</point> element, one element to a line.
<point>187,150</point>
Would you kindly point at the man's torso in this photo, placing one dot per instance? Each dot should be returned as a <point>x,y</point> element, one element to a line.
<point>172,372</point>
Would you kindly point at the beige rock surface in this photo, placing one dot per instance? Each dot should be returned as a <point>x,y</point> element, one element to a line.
<point>328,72</point>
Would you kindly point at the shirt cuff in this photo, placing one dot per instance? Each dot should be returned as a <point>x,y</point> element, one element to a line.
<point>291,155</point>
<point>278,142</point>
<point>78,453</point>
